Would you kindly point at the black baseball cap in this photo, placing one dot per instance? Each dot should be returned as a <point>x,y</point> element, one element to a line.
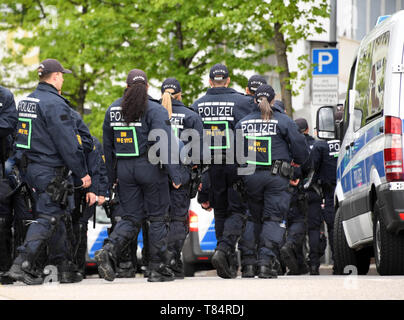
<point>254,82</point>
<point>136,76</point>
<point>265,90</point>
<point>171,83</point>
<point>218,72</point>
<point>302,124</point>
<point>49,66</point>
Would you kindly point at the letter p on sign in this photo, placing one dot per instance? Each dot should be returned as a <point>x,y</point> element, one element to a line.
<point>325,61</point>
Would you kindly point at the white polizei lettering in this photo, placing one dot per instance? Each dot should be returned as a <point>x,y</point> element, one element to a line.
<point>115,116</point>
<point>28,107</point>
<point>259,129</point>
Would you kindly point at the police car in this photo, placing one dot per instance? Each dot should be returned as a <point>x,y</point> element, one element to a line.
<point>201,241</point>
<point>198,248</point>
<point>369,196</point>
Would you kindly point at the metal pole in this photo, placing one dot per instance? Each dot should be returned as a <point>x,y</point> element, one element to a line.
<point>333,22</point>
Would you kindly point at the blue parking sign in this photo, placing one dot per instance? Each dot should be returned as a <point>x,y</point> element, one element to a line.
<point>326,61</point>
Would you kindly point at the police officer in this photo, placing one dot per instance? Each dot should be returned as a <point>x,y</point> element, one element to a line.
<point>220,109</point>
<point>67,269</point>
<point>142,185</point>
<point>324,157</point>
<point>292,250</point>
<point>47,147</point>
<point>95,195</point>
<point>182,118</point>
<point>8,123</point>
<point>247,244</point>
<point>273,145</point>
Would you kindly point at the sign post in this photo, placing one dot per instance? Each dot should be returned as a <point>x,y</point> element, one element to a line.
<point>325,76</point>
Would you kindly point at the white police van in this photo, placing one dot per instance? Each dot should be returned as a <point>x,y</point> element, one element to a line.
<point>198,248</point>
<point>369,196</point>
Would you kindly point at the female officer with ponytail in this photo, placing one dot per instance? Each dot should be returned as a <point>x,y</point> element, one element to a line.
<point>142,186</point>
<point>272,146</point>
<point>181,119</point>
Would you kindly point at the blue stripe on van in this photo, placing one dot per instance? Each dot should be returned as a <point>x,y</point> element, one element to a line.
<point>209,241</point>
<point>360,173</point>
<point>99,242</point>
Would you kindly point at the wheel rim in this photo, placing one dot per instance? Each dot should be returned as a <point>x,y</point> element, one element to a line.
<point>378,244</point>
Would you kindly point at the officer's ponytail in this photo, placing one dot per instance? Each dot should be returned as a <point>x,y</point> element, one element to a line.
<point>134,102</point>
<point>170,89</point>
<point>166,101</point>
<point>135,98</point>
<point>265,108</point>
<point>265,96</point>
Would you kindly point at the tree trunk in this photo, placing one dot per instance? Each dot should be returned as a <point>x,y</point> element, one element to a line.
<point>284,74</point>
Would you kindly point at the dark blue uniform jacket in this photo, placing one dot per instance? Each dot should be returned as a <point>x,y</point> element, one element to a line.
<point>47,132</point>
<point>8,118</point>
<point>122,140</point>
<point>324,157</point>
<point>274,139</point>
<point>220,110</point>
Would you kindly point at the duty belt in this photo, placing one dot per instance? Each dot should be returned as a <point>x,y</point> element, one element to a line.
<point>280,167</point>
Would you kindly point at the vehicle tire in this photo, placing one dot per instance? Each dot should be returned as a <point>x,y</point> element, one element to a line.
<point>343,254</point>
<point>388,247</point>
<point>189,269</point>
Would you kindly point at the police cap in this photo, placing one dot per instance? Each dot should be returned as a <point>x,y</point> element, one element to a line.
<point>265,90</point>
<point>136,76</point>
<point>218,72</point>
<point>171,83</point>
<point>255,81</point>
<point>51,65</point>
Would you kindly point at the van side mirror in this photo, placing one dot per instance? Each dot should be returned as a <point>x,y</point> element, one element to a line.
<point>325,123</point>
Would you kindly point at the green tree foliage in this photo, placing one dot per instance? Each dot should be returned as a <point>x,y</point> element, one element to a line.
<point>100,41</point>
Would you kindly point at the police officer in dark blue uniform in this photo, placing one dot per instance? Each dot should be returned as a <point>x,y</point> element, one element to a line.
<point>95,196</point>
<point>292,250</point>
<point>142,185</point>
<point>182,118</point>
<point>67,269</point>
<point>220,109</point>
<point>247,244</point>
<point>324,157</point>
<point>8,124</point>
<point>47,147</point>
<point>273,145</point>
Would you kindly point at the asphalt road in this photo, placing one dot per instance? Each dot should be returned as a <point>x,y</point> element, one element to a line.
<point>207,286</point>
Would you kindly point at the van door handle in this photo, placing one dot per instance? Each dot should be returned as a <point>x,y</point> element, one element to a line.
<point>381,129</point>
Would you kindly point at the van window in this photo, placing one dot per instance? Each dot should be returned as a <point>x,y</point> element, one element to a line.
<point>370,80</point>
<point>379,58</point>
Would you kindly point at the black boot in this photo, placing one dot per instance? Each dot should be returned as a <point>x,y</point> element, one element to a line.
<point>26,274</point>
<point>160,274</point>
<point>220,262</point>
<point>288,255</point>
<point>248,271</point>
<point>125,270</point>
<point>69,273</point>
<point>314,270</point>
<point>5,244</point>
<point>105,262</point>
<point>269,271</point>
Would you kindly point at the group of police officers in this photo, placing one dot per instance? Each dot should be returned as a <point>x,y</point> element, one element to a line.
<point>269,182</point>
